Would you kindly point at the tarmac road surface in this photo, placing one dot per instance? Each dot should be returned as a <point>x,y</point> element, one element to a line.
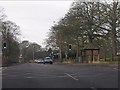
<point>33,75</point>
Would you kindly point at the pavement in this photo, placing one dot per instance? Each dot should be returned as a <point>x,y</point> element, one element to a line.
<point>116,64</point>
<point>33,75</point>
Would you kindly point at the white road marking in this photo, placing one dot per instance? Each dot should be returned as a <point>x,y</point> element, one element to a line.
<point>3,68</point>
<point>115,68</point>
<point>28,73</point>
<point>71,76</point>
<point>29,77</point>
<point>93,88</point>
<point>0,69</point>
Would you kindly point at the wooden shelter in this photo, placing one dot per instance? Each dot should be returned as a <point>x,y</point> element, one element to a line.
<point>90,53</point>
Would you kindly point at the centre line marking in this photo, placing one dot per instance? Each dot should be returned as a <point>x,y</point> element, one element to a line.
<point>71,76</point>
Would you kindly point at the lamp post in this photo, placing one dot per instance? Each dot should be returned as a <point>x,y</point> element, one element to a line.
<point>52,55</point>
<point>25,52</point>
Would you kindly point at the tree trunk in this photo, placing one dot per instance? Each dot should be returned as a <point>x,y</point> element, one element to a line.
<point>114,37</point>
<point>77,51</point>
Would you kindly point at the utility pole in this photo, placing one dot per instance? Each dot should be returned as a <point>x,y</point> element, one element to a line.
<point>33,52</point>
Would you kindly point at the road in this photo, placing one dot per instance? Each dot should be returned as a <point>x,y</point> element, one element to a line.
<point>33,75</point>
<point>0,78</point>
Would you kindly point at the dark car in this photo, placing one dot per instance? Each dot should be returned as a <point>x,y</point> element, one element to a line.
<point>48,60</point>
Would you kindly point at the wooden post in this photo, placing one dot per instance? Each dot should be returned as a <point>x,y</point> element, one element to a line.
<point>98,56</point>
<point>92,56</point>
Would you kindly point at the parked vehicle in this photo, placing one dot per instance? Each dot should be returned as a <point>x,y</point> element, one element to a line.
<point>36,61</point>
<point>39,61</point>
<point>48,60</point>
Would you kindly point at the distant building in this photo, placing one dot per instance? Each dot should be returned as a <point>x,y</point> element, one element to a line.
<point>24,44</point>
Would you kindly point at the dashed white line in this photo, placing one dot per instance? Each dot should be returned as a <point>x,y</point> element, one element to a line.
<point>93,88</point>
<point>72,77</point>
<point>29,77</point>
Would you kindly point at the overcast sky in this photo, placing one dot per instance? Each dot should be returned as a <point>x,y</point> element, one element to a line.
<point>35,18</point>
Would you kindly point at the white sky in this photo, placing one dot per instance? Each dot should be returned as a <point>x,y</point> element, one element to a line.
<point>35,18</point>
